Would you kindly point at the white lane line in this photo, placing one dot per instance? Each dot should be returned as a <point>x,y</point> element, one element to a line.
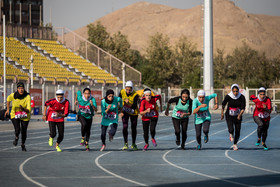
<point>198,173</point>
<point>249,165</point>
<point>41,185</point>
<point>75,177</point>
<point>115,175</point>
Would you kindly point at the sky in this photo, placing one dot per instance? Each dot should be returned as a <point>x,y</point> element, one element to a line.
<point>78,13</point>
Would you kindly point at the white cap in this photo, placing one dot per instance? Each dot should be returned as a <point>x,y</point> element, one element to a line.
<point>129,84</point>
<point>261,89</point>
<point>59,92</point>
<point>201,93</point>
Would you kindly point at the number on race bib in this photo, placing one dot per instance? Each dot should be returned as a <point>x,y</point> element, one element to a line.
<point>263,115</point>
<point>111,116</point>
<point>85,109</point>
<point>202,114</point>
<point>54,116</point>
<point>234,111</point>
<point>152,113</point>
<point>20,114</point>
<point>128,110</point>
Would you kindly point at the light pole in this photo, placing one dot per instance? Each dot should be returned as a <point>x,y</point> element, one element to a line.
<point>208,48</point>
<point>4,61</point>
<point>31,70</point>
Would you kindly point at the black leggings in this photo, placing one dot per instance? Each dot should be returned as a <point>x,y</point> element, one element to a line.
<point>262,128</point>
<point>149,125</point>
<point>85,127</point>
<point>183,123</point>
<point>60,128</point>
<point>234,124</point>
<point>112,132</point>
<point>206,126</point>
<point>133,120</point>
<point>20,126</point>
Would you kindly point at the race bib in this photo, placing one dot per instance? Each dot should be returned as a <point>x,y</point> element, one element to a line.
<point>20,114</point>
<point>202,114</point>
<point>128,110</point>
<point>85,109</point>
<point>234,111</point>
<point>263,115</point>
<point>111,116</point>
<point>54,116</point>
<point>178,114</point>
<point>152,113</point>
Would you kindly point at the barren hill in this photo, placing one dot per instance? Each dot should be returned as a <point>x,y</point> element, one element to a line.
<point>231,26</point>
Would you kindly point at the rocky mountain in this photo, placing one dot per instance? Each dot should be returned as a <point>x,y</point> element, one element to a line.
<point>231,26</point>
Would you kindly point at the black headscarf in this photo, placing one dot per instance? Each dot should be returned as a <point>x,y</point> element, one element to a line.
<point>185,91</point>
<point>108,93</point>
<point>20,96</point>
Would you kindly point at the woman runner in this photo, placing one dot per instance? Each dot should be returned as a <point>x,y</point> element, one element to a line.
<point>149,116</point>
<point>110,106</point>
<point>57,110</point>
<point>236,107</point>
<point>87,106</point>
<point>130,110</point>
<point>262,115</point>
<point>180,115</point>
<point>20,113</point>
<point>200,108</point>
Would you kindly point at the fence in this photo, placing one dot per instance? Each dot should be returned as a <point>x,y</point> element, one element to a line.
<point>93,53</point>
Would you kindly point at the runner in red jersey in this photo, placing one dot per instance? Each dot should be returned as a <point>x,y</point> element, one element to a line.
<point>262,115</point>
<point>149,116</point>
<point>57,110</point>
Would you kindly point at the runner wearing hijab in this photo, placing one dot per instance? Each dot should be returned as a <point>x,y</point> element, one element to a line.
<point>262,115</point>
<point>149,116</point>
<point>87,106</point>
<point>110,107</point>
<point>20,113</point>
<point>130,110</point>
<point>236,106</point>
<point>180,115</point>
<point>200,108</point>
<point>57,109</point>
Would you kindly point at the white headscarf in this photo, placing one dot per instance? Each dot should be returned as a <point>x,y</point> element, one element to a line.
<point>90,97</point>
<point>231,93</point>
<point>129,84</point>
<point>261,89</point>
<point>201,93</point>
<point>60,92</point>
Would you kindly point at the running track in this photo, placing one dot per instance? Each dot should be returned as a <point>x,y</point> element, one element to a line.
<point>215,165</point>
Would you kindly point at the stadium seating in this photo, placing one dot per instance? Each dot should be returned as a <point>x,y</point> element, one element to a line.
<point>44,67</point>
<point>11,71</point>
<point>77,62</point>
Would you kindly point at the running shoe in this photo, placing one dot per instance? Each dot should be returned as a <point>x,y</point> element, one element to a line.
<point>154,142</point>
<point>235,148</point>
<point>264,146</point>
<point>58,148</point>
<point>82,143</point>
<point>258,142</point>
<point>198,147</point>
<point>50,141</point>
<point>183,146</point>
<point>110,137</point>
<point>103,147</point>
<point>125,147</point>
<point>206,139</point>
<point>145,148</point>
<point>178,142</point>
<point>231,138</point>
<point>134,147</point>
<point>23,148</point>
<point>15,142</point>
<point>87,147</point>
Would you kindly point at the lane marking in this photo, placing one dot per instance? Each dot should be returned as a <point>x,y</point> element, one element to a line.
<point>249,165</point>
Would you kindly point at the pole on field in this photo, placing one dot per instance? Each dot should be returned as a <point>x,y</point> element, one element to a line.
<point>208,47</point>
<point>123,75</point>
<point>31,70</point>
<point>4,61</point>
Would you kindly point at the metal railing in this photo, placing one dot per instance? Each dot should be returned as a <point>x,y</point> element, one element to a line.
<point>100,57</point>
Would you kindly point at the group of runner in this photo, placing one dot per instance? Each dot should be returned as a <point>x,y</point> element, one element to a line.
<point>126,105</point>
